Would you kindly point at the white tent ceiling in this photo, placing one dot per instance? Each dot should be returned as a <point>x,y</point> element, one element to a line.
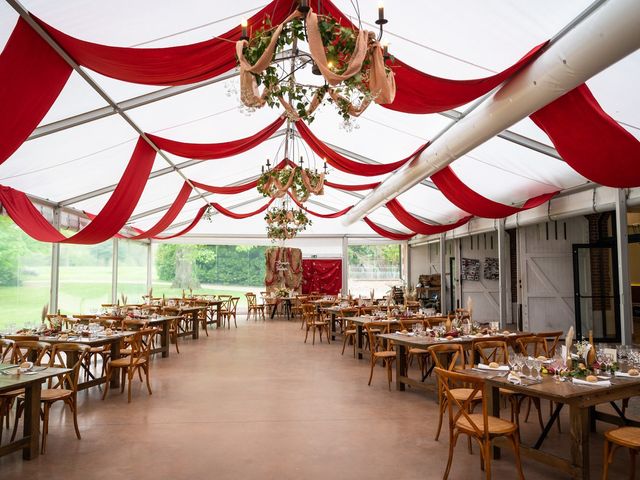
<point>459,39</point>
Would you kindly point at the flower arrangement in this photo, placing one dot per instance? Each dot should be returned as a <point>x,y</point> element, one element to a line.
<point>282,292</point>
<point>284,223</point>
<point>351,97</point>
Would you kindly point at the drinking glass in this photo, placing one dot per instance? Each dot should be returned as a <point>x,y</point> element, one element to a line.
<point>528,362</point>
<point>537,367</point>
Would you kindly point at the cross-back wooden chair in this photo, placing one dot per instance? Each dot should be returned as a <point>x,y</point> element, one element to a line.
<point>379,350</point>
<point>453,356</point>
<point>532,346</point>
<point>253,307</point>
<point>296,305</point>
<point>61,388</point>
<point>480,426</point>
<point>137,360</point>
<point>551,340</point>
<point>487,351</point>
<point>230,312</point>
<point>421,354</point>
<point>628,437</point>
<point>6,348</point>
<point>349,330</point>
<point>313,323</point>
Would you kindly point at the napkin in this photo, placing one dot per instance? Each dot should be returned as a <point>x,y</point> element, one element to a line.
<point>599,383</point>
<point>501,368</point>
<point>625,374</point>
<point>514,378</point>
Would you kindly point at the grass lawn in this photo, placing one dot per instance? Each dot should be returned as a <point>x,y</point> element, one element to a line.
<point>83,289</point>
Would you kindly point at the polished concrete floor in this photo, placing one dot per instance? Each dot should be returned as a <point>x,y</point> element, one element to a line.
<point>257,403</point>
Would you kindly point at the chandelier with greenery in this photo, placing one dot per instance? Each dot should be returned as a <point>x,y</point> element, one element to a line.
<point>299,182</point>
<point>351,62</point>
<point>284,222</point>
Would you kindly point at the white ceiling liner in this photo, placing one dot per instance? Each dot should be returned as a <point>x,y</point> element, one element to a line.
<point>461,39</point>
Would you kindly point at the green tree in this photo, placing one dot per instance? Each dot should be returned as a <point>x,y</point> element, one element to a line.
<point>166,262</point>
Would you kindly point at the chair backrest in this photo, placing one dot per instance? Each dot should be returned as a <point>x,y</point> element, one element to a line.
<point>349,312</point>
<point>141,342</point>
<point>533,346</point>
<point>29,351</point>
<point>308,312</point>
<point>233,304</point>
<point>226,299</point>
<point>61,357</point>
<point>413,306</point>
<point>407,323</point>
<point>368,310</point>
<point>6,347</point>
<point>453,350</point>
<point>130,324</point>
<point>251,299</point>
<point>447,381</point>
<point>436,320</point>
<point>490,351</point>
<point>551,340</point>
<point>373,328</point>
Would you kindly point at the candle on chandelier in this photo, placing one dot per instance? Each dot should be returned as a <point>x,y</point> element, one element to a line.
<point>325,165</point>
<point>385,49</point>
<point>244,26</point>
<point>380,11</point>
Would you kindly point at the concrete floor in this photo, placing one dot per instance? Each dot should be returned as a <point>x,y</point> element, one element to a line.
<point>257,403</point>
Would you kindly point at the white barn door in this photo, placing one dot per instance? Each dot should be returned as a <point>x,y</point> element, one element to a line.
<point>546,273</point>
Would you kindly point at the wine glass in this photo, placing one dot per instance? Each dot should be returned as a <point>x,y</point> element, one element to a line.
<point>537,367</point>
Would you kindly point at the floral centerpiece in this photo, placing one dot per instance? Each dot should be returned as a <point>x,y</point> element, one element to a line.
<point>282,292</point>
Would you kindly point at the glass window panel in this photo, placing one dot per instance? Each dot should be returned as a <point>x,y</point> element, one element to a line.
<point>132,270</point>
<point>373,267</point>
<point>85,277</point>
<point>25,276</point>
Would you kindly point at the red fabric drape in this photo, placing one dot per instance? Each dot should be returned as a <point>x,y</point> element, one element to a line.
<point>106,224</point>
<point>226,190</point>
<point>211,151</point>
<point>238,216</point>
<point>169,216</point>
<point>321,215</point>
<point>193,223</point>
<point>351,188</point>
<point>342,163</point>
<point>415,225</point>
<point>419,92</point>
<point>324,276</point>
<point>91,216</point>
<point>32,75</point>
<point>465,198</point>
<point>166,66</point>
<point>386,233</point>
<point>590,141</point>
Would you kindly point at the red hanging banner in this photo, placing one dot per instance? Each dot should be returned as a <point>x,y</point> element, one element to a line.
<point>589,140</point>
<point>180,65</point>
<point>211,151</point>
<point>106,224</point>
<point>32,75</point>
<point>465,198</point>
<point>323,276</point>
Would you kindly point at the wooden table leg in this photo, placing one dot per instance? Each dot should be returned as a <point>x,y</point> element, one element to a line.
<point>164,339</point>
<point>333,326</point>
<point>115,354</point>
<point>579,423</point>
<point>194,324</point>
<point>401,366</point>
<point>359,341</point>
<point>31,424</point>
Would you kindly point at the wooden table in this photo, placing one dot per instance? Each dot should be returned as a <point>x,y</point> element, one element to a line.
<point>32,384</point>
<point>112,340</point>
<point>193,313</point>
<point>404,342</point>
<point>581,401</point>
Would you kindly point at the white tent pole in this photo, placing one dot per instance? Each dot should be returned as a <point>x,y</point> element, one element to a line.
<point>624,284</point>
<point>607,35</point>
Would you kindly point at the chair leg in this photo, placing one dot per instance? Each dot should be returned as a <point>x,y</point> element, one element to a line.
<point>73,405</point>
<point>306,334</point>
<point>45,427</point>
<point>442,407</point>
<point>146,373</point>
<point>313,341</point>
<point>389,374</point>
<point>487,460</point>
<point>373,364</point>
<point>107,377</point>
<point>452,443</point>
<point>130,374</point>
<point>605,463</point>
<point>19,409</point>
<point>632,460</point>
<point>344,345</point>
<point>516,452</point>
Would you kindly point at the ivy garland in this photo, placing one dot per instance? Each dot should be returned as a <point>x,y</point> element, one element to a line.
<point>339,43</point>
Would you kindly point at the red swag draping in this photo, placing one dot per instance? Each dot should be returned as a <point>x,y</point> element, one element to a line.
<point>589,140</point>
<point>226,190</point>
<point>91,216</point>
<point>342,163</point>
<point>169,216</point>
<point>238,216</point>
<point>419,92</point>
<point>386,233</point>
<point>166,66</point>
<point>324,276</point>
<point>211,151</point>
<point>193,223</point>
<point>32,75</point>
<point>321,215</point>
<point>351,188</point>
<point>106,224</point>
<point>415,225</point>
<point>465,198</point>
